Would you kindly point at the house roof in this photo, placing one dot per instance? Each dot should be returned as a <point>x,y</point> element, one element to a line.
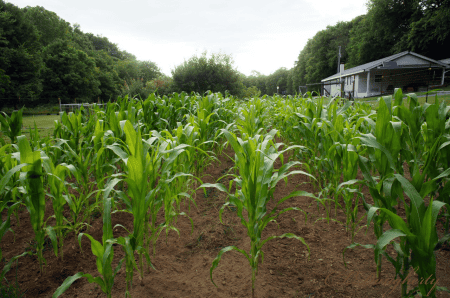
<point>379,62</point>
<point>445,61</point>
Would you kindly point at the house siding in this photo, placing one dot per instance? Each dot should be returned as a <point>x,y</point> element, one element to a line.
<point>395,78</point>
<point>414,73</point>
<point>410,60</point>
<point>362,85</point>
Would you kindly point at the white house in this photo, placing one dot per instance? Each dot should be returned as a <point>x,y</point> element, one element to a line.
<point>407,70</point>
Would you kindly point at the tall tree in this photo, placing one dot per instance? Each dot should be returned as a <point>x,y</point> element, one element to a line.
<point>69,74</point>
<point>201,74</point>
<point>148,70</point>
<point>256,79</point>
<point>110,82</point>
<point>102,43</point>
<point>277,79</point>
<point>319,57</point>
<point>49,25</point>
<point>20,60</point>
<point>384,30</point>
<point>430,35</point>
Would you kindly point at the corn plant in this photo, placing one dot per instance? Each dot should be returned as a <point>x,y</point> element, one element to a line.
<point>5,225</point>
<point>10,187</point>
<point>104,253</point>
<point>250,120</point>
<point>256,181</point>
<point>130,262</point>
<point>384,148</point>
<point>58,191</point>
<point>418,236</point>
<point>139,168</point>
<point>82,161</point>
<point>149,174</point>
<point>351,197</point>
<point>35,197</point>
<point>12,291</point>
<point>11,126</point>
<point>394,141</point>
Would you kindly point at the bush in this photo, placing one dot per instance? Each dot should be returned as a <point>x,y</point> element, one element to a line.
<point>163,85</point>
<point>251,92</point>
<point>200,74</point>
<point>136,88</point>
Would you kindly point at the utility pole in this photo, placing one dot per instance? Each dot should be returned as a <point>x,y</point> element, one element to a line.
<point>341,85</point>
<point>428,82</point>
<point>339,60</point>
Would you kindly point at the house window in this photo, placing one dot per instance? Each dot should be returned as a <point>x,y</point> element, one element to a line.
<point>378,78</point>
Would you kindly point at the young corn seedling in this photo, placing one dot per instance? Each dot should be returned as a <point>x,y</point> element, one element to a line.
<point>256,181</point>
<point>418,239</point>
<point>56,181</point>
<point>5,225</point>
<point>149,173</point>
<point>140,180</point>
<point>104,253</point>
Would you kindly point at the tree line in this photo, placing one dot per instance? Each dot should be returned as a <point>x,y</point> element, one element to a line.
<point>43,58</point>
<point>389,27</point>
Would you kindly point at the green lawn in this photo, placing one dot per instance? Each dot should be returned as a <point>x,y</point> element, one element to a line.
<point>430,94</point>
<point>45,125</point>
<point>373,101</point>
<point>45,121</point>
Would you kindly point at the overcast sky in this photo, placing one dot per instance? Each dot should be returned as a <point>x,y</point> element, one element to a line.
<point>260,35</point>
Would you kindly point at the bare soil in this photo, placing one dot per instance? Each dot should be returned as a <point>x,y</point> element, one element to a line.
<point>183,262</point>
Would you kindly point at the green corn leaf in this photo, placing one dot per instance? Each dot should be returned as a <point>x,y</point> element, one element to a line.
<point>5,179</point>
<point>51,233</point>
<point>418,204</point>
<point>97,250</point>
<point>369,140</point>
<point>107,226</point>
<point>7,267</point>
<point>216,261</point>
<point>385,239</point>
<point>353,245</point>
<point>286,235</point>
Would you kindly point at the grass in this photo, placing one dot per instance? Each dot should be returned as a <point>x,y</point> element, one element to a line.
<point>44,109</point>
<point>373,101</point>
<point>417,93</point>
<point>44,123</point>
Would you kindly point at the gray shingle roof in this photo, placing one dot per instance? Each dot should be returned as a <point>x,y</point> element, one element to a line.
<point>379,62</point>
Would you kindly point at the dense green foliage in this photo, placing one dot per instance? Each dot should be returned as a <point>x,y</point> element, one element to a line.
<point>318,59</point>
<point>389,27</point>
<point>68,73</point>
<point>43,58</point>
<point>200,74</point>
<point>159,147</point>
<point>19,56</point>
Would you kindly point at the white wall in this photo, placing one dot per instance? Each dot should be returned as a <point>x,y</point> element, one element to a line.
<point>409,59</point>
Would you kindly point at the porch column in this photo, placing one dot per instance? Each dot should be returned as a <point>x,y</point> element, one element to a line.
<point>368,84</point>
<point>443,76</point>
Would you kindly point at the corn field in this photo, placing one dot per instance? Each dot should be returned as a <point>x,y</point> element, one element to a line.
<point>147,157</point>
